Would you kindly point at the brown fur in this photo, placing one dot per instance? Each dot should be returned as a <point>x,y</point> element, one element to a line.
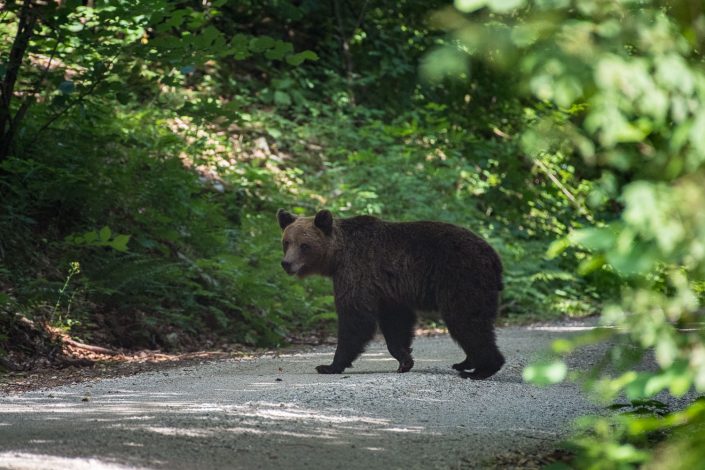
<point>384,271</point>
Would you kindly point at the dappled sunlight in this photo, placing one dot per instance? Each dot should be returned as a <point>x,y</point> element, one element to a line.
<point>133,413</point>
<point>565,328</point>
<point>432,400</point>
<point>178,431</point>
<point>304,356</point>
<point>24,460</point>
<point>413,429</point>
<point>292,412</point>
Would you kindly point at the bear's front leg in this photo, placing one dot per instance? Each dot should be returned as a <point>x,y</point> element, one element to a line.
<point>397,325</point>
<point>355,330</point>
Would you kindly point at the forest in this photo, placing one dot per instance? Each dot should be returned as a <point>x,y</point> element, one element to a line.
<point>146,145</point>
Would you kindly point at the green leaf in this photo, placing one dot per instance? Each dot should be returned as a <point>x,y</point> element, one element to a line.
<point>282,98</point>
<point>505,6</point>
<point>279,50</point>
<point>297,59</point>
<point>208,37</point>
<point>274,132</point>
<point>239,46</point>
<point>591,264</point>
<point>177,17</point>
<point>637,258</point>
<point>468,6</point>
<point>562,346</point>
<point>680,385</point>
<point>120,242</point>
<point>546,373</point>
<point>666,351</point>
<point>75,27</point>
<point>261,43</point>
<point>593,238</point>
<point>90,237</point>
<point>444,62</point>
<point>557,247</point>
<point>104,234</point>
<point>74,239</point>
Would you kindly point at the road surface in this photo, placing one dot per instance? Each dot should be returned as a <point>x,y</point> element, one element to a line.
<point>276,412</point>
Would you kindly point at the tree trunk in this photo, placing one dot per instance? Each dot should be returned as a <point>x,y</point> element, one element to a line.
<point>25,28</point>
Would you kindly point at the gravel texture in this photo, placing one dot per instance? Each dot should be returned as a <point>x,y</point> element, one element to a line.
<point>276,412</point>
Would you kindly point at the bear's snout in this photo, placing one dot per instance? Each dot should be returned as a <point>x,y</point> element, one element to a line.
<point>287,267</point>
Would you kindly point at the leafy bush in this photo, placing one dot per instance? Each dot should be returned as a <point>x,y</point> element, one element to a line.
<point>629,81</point>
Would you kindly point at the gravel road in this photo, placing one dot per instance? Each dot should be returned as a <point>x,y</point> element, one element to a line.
<point>276,412</point>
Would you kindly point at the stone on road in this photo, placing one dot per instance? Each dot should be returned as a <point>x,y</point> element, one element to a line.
<point>277,412</point>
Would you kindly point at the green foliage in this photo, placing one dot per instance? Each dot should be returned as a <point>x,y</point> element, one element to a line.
<point>545,373</point>
<point>629,79</point>
<point>104,134</point>
<point>104,237</point>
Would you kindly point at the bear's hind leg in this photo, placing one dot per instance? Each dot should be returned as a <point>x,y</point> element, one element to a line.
<point>473,330</point>
<point>479,343</point>
<point>355,330</point>
<point>397,325</point>
<point>484,359</point>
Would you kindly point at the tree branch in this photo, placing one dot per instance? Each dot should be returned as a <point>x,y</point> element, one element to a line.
<point>563,189</point>
<point>80,99</point>
<point>345,46</point>
<point>19,115</point>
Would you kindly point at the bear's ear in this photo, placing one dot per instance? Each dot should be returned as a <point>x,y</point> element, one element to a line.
<point>285,218</point>
<point>324,221</point>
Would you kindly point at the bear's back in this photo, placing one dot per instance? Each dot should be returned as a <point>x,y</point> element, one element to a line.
<point>421,252</point>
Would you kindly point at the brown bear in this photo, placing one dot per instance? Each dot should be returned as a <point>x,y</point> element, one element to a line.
<point>383,271</point>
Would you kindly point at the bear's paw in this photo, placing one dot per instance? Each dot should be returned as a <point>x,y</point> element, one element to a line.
<point>328,369</point>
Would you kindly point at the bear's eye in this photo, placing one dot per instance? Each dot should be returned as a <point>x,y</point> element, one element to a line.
<point>304,247</point>
<point>286,246</point>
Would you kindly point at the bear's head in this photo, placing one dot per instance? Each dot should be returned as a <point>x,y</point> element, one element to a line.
<point>307,243</point>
